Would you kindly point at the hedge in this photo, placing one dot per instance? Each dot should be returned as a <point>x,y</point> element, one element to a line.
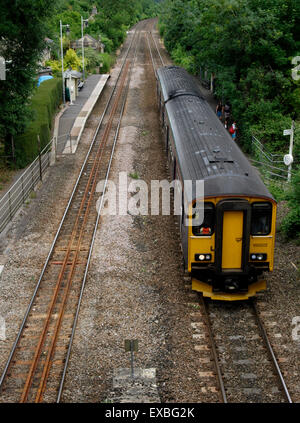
<point>44,105</point>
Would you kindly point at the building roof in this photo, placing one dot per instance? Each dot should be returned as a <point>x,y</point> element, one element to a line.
<point>73,73</point>
<point>87,37</point>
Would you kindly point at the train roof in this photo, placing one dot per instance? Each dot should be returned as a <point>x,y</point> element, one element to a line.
<point>205,150</point>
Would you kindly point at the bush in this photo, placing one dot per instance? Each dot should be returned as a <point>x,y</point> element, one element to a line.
<point>183,59</point>
<point>291,223</point>
<point>109,45</point>
<point>107,61</point>
<point>44,104</point>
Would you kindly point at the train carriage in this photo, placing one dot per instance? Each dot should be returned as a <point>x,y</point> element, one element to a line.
<point>227,253</point>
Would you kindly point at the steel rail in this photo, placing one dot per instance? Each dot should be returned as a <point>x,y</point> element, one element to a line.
<point>93,239</point>
<point>151,55</point>
<point>214,350</point>
<point>69,282</point>
<point>12,352</point>
<point>89,192</point>
<point>271,352</point>
<point>93,175</point>
<point>160,56</point>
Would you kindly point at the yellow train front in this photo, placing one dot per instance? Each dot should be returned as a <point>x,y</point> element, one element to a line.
<point>228,234</point>
<point>230,250</point>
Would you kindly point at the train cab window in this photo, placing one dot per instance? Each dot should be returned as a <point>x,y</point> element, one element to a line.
<point>261,218</point>
<point>208,224</point>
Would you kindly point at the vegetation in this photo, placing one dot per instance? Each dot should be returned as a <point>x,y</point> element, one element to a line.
<point>291,222</point>
<point>43,106</point>
<point>113,19</point>
<point>248,45</point>
<point>24,25</point>
<point>22,29</point>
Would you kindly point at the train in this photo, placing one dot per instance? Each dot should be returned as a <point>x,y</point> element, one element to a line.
<point>228,251</point>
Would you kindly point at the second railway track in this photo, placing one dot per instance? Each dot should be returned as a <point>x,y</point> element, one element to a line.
<point>37,364</point>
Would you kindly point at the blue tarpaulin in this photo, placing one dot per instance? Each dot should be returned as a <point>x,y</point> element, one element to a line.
<point>43,78</point>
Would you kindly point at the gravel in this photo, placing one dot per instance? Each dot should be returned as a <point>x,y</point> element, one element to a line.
<point>135,287</point>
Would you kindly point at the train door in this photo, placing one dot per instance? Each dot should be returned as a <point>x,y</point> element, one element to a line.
<point>232,245</point>
<point>233,235</point>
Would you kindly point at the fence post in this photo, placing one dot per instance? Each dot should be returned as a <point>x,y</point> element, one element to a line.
<point>40,162</point>
<point>291,150</point>
<point>55,147</point>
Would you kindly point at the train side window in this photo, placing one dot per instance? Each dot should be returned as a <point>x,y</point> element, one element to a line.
<point>208,225</point>
<point>261,218</point>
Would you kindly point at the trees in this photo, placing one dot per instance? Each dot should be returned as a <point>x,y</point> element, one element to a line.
<point>248,45</point>
<point>24,24</point>
<point>23,29</point>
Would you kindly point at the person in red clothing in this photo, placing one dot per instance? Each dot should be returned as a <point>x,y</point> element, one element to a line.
<point>232,130</point>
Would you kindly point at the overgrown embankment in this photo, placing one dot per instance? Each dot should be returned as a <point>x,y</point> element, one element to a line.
<point>43,104</point>
<point>250,48</point>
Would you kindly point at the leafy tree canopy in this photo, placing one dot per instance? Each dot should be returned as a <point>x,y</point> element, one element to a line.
<point>22,29</point>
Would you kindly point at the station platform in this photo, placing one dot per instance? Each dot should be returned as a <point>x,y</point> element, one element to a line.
<point>73,120</point>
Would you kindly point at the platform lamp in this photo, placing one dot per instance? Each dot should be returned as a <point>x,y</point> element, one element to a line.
<point>62,56</point>
<point>84,23</point>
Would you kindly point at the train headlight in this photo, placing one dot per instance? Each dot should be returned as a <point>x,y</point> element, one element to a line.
<point>258,256</point>
<point>203,257</point>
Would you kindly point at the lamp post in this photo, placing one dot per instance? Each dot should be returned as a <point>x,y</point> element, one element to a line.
<point>83,23</point>
<point>62,57</point>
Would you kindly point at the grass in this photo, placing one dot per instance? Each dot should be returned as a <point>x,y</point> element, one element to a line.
<point>32,195</point>
<point>134,175</point>
<point>6,176</point>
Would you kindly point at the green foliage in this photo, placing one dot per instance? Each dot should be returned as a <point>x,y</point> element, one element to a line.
<point>277,190</point>
<point>248,45</point>
<point>71,60</point>
<point>55,65</point>
<point>183,59</point>
<point>43,105</point>
<point>107,60</point>
<point>91,58</point>
<point>291,223</point>
<point>22,29</point>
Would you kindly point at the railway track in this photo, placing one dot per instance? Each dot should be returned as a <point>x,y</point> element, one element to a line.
<point>237,360</point>
<point>37,365</point>
<point>156,57</point>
